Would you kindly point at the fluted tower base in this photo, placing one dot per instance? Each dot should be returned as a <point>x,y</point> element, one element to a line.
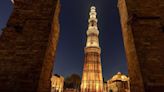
<point>92,80</point>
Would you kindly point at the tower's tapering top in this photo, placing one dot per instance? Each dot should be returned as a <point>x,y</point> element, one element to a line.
<point>92,28</point>
<point>92,32</point>
<point>93,13</point>
<point>93,8</point>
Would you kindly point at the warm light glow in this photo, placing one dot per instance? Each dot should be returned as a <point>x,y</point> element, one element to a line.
<point>57,83</point>
<point>117,81</point>
<point>12,1</point>
<point>92,80</point>
<point>93,8</point>
<point>92,32</point>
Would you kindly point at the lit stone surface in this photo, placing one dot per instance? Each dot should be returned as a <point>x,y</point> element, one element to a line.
<point>93,32</point>
<point>142,24</point>
<point>118,83</point>
<point>27,46</point>
<point>92,80</point>
<point>12,1</point>
<point>57,83</point>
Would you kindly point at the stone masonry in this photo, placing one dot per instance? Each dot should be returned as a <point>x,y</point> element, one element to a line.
<point>28,45</point>
<point>143,33</point>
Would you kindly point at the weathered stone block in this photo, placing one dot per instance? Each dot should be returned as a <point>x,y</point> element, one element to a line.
<point>28,45</point>
<point>142,28</point>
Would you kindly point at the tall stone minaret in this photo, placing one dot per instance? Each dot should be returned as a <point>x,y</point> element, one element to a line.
<point>92,80</point>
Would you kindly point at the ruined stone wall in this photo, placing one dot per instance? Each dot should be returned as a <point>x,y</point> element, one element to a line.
<point>27,46</point>
<point>143,32</point>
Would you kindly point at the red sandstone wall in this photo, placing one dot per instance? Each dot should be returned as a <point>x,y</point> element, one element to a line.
<point>27,46</point>
<point>143,32</point>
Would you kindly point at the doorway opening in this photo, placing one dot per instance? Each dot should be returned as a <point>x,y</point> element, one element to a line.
<point>69,58</point>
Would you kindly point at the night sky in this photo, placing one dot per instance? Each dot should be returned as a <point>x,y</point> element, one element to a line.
<point>74,22</point>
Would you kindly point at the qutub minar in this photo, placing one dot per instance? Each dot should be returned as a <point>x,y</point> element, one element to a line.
<point>92,80</point>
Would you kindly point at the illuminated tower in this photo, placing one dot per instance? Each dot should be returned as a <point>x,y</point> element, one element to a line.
<point>92,80</point>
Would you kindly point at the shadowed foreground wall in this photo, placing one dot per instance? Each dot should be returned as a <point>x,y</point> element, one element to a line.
<point>143,33</point>
<point>28,45</point>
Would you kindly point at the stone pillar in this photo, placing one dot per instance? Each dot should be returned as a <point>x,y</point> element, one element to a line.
<point>143,33</point>
<point>28,45</point>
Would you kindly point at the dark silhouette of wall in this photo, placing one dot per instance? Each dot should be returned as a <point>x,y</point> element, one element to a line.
<point>143,32</point>
<point>28,45</point>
